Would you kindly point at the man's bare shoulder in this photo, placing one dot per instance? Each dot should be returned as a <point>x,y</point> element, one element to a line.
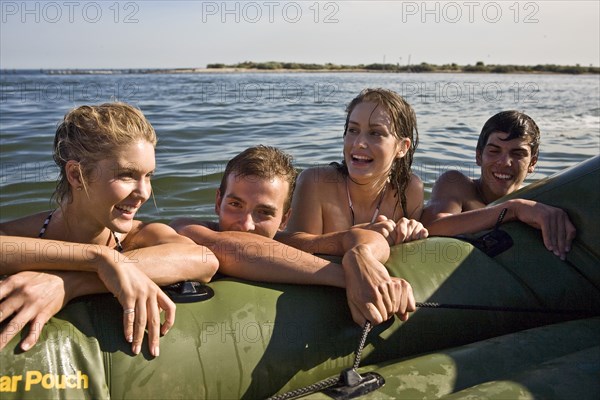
<point>452,191</point>
<point>453,182</point>
<point>194,229</point>
<point>179,223</point>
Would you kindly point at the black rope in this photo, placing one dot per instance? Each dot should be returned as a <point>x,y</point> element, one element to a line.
<point>502,308</point>
<point>329,382</point>
<point>315,387</point>
<point>361,344</point>
<point>500,218</point>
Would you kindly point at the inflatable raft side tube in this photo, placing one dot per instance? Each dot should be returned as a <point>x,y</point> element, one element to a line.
<point>528,359</point>
<point>574,376</point>
<point>253,340</point>
<point>66,363</point>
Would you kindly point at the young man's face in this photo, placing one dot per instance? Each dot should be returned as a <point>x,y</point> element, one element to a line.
<point>252,204</point>
<point>504,165</point>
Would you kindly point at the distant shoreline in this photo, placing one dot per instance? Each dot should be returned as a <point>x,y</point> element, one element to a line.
<point>280,67</point>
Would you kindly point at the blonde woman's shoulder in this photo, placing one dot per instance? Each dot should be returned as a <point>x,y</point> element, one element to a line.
<point>29,226</point>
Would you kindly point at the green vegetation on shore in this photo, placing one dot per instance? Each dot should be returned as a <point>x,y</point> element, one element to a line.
<point>275,66</point>
<point>423,67</point>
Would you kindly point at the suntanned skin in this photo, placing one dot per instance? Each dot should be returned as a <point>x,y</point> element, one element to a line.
<point>77,255</point>
<point>22,298</point>
<point>372,294</point>
<point>321,204</point>
<point>364,250</point>
<point>322,189</point>
<point>252,204</point>
<point>459,204</point>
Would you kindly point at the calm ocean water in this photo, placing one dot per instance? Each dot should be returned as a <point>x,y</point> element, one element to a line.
<point>202,120</point>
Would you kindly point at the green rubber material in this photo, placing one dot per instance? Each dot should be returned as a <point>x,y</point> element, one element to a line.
<point>253,340</point>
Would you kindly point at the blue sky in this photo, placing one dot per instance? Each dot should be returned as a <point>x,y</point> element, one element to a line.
<point>161,34</point>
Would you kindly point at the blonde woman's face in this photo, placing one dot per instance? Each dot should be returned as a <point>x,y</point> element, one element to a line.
<point>118,186</point>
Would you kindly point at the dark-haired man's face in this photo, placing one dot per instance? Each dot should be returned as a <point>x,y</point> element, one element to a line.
<point>504,165</point>
<point>253,204</point>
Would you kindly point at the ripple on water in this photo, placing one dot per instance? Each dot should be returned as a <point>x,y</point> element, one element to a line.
<point>203,120</point>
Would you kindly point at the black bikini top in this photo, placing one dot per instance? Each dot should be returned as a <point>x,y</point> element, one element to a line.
<point>49,217</point>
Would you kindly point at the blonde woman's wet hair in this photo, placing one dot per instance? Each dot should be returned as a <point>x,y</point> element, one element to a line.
<point>89,134</point>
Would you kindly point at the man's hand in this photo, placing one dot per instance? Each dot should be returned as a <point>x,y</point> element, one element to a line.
<point>371,293</point>
<point>557,229</point>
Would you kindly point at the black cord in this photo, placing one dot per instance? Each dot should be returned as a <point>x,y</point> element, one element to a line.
<point>500,218</point>
<point>329,382</point>
<point>505,309</point>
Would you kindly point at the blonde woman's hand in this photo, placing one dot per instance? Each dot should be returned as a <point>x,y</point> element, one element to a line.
<point>30,297</point>
<point>142,301</point>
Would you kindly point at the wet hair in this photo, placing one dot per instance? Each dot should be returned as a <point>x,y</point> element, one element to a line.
<point>404,125</point>
<point>263,162</point>
<point>516,124</point>
<point>89,134</point>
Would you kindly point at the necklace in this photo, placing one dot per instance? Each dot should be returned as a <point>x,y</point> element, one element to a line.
<point>376,213</point>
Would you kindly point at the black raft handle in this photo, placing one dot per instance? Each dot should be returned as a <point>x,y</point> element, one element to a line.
<point>188,292</point>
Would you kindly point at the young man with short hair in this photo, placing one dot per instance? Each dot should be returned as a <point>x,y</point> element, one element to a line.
<point>507,151</point>
<point>255,197</point>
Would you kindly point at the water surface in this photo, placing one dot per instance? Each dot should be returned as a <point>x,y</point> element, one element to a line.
<point>202,120</point>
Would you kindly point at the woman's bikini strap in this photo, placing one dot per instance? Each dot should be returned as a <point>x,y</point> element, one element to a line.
<point>119,246</point>
<point>49,217</point>
<point>375,214</point>
<point>46,222</point>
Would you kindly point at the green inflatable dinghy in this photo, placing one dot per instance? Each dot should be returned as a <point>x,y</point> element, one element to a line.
<point>518,325</point>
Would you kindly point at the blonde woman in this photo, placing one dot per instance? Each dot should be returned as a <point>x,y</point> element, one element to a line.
<point>91,242</point>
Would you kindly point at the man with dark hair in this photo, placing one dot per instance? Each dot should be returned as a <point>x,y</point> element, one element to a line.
<point>507,151</point>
